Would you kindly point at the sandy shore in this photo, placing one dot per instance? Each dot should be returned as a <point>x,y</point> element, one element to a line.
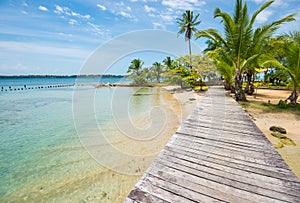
<point>180,104</point>
<point>290,121</point>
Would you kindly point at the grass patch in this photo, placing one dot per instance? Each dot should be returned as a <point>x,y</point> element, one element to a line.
<point>272,108</point>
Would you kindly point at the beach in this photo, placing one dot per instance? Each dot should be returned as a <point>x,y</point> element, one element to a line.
<point>290,121</point>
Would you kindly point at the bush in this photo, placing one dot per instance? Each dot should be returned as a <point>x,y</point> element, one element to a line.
<point>282,104</point>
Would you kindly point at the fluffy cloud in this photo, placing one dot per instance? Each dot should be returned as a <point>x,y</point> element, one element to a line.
<point>183,4</point>
<point>67,11</point>
<point>103,8</point>
<point>149,9</point>
<point>121,9</point>
<point>264,16</point>
<point>124,14</point>
<point>73,22</point>
<point>43,8</point>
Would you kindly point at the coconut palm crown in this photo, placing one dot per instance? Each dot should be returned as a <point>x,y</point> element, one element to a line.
<point>187,24</point>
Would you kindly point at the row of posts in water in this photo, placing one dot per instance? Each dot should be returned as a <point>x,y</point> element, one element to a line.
<point>25,87</point>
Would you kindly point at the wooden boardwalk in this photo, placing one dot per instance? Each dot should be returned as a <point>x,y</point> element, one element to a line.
<point>218,155</point>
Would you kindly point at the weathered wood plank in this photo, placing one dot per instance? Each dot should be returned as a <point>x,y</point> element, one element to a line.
<point>217,155</point>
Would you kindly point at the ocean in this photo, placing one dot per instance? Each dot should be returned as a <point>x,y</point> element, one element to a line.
<point>72,142</point>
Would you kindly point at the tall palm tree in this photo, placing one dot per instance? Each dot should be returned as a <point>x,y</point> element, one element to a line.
<point>187,24</point>
<point>241,41</point>
<point>290,63</point>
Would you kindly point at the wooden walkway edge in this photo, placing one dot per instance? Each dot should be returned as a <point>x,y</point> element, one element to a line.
<point>217,155</point>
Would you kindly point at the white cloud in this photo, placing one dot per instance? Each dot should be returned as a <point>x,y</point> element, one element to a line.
<point>58,9</point>
<point>43,8</point>
<point>259,1</point>
<point>279,3</point>
<point>167,18</point>
<point>264,16</point>
<point>24,12</point>
<point>149,9</point>
<point>73,22</point>
<point>183,4</point>
<point>24,4</point>
<point>103,8</point>
<point>121,9</point>
<point>67,11</point>
<point>158,26</point>
<point>96,29</point>
<point>124,14</point>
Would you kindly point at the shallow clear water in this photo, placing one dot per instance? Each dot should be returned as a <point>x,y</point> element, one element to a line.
<point>41,154</point>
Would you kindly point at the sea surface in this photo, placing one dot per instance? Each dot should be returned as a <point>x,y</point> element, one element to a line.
<point>53,150</point>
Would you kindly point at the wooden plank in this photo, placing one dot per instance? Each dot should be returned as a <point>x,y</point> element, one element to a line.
<point>217,155</point>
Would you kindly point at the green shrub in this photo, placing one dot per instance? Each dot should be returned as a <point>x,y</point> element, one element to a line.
<point>282,104</point>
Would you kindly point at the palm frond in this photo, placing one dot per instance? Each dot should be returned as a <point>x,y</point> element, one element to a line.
<point>263,7</point>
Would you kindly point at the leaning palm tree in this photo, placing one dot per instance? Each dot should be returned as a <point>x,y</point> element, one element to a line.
<point>136,71</point>
<point>135,67</point>
<point>187,24</point>
<point>290,63</point>
<point>241,41</point>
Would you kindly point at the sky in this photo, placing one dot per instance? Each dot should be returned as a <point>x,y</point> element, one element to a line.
<point>58,37</point>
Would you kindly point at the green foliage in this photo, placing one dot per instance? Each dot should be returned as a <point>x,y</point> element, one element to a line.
<point>242,44</point>
<point>187,24</point>
<point>282,104</point>
<point>289,61</point>
<point>135,67</point>
<point>157,70</point>
<point>136,70</point>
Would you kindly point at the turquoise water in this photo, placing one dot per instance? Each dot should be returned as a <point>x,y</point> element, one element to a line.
<point>42,158</point>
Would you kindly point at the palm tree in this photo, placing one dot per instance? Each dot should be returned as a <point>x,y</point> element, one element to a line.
<point>187,24</point>
<point>136,71</point>
<point>136,67</point>
<point>168,62</point>
<point>241,42</point>
<point>157,70</point>
<point>147,74</point>
<point>290,63</point>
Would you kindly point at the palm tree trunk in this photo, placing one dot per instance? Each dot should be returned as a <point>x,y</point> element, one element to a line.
<point>294,96</point>
<point>190,53</point>
<point>239,93</point>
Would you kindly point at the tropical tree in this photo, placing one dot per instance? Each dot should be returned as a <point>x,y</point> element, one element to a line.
<point>241,41</point>
<point>168,62</point>
<point>157,70</point>
<point>290,63</point>
<point>147,74</point>
<point>136,69</point>
<point>187,24</point>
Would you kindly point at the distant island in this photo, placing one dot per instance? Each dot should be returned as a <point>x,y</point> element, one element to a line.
<point>63,76</point>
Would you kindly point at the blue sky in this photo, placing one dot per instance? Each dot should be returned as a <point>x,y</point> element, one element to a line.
<point>57,37</point>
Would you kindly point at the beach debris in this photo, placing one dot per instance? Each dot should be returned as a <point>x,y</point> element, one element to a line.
<point>278,135</point>
<point>278,129</point>
<point>279,145</point>
<point>192,99</point>
<point>288,141</point>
